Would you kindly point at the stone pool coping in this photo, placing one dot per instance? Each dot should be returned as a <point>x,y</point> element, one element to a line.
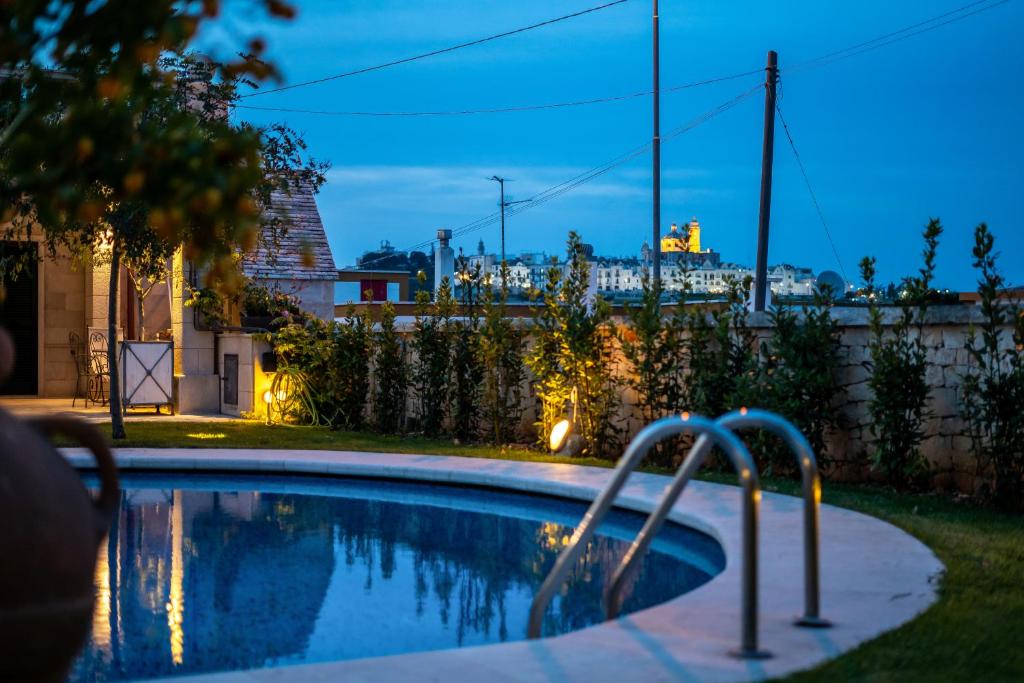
<point>874,578</point>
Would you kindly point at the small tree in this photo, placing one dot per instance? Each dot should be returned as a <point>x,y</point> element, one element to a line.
<point>348,373</point>
<point>722,368</point>
<point>993,388</point>
<point>898,406</point>
<point>501,355</point>
<point>467,371</point>
<point>390,374</point>
<point>799,375</point>
<point>431,342</point>
<point>574,350</point>
<point>652,346</point>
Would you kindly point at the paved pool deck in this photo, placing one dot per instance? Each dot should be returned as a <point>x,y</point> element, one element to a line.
<point>874,577</point>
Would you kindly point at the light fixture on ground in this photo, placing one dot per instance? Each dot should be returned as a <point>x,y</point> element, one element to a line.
<point>563,439</point>
<point>268,398</point>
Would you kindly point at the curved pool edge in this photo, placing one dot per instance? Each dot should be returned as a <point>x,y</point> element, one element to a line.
<point>875,577</point>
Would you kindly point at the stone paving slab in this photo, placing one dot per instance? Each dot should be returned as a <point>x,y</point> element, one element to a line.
<point>874,578</point>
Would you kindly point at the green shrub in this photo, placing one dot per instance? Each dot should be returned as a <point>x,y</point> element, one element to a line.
<point>467,371</point>
<point>389,374</point>
<point>898,406</point>
<point>574,349</point>
<point>798,378</point>
<point>993,389</point>
<point>501,348</point>
<point>431,342</point>
<point>652,347</point>
<point>720,352</point>
<point>348,373</point>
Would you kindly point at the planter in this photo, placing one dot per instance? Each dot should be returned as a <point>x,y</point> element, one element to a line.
<point>257,321</point>
<point>146,370</point>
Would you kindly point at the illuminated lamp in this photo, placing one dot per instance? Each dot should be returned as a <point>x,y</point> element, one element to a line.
<point>268,398</point>
<point>563,439</point>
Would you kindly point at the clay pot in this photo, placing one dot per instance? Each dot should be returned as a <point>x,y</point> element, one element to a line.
<point>51,531</point>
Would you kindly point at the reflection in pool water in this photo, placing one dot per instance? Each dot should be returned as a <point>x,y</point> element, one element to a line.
<point>209,573</point>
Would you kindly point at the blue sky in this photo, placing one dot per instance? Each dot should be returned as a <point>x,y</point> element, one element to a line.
<point>927,126</point>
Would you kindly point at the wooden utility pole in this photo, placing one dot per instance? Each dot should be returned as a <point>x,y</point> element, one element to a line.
<point>656,156</point>
<point>761,267</point>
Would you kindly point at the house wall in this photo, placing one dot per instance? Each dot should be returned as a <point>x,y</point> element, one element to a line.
<point>252,380</point>
<point>197,384</point>
<point>315,296</point>
<point>63,310</point>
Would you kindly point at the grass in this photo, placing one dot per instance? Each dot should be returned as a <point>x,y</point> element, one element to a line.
<point>973,633</point>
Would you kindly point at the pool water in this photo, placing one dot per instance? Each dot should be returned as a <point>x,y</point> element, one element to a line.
<point>216,573</point>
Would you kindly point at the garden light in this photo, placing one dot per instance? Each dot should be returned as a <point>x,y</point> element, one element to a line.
<point>563,440</point>
<point>559,434</point>
<point>268,398</point>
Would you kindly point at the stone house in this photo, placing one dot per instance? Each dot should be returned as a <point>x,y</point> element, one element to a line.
<point>57,296</point>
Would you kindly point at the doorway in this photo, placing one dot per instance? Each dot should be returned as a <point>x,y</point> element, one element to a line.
<point>19,314</point>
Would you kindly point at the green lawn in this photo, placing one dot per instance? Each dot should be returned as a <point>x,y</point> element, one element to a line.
<point>974,633</point>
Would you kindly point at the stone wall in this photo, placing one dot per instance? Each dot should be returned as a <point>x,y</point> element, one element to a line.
<point>946,444</point>
<point>63,311</point>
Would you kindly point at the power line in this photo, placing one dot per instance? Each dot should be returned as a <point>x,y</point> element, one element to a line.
<point>896,36</point>
<point>434,53</point>
<point>502,110</point>
<point>814,197</point>
<point>556,191</point>
<point>564,187</point>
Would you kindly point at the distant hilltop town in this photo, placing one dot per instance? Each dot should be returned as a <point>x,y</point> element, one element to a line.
<point>617,278</point>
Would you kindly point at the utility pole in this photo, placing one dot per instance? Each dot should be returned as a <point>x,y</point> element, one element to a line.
<point>761,268</point>
<point>656,156</point>
<point>503,204</point>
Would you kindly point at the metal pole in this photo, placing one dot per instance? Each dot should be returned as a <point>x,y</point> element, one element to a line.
<point>761,268</point>
<point>501,202</point>
<point>501,185</point>
<point>656,155</point>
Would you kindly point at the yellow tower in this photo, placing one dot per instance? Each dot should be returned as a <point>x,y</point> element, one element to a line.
<point>678,241</point>
<point>693,236</point>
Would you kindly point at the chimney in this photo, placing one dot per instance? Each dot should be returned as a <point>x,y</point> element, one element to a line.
<point>444,259</point>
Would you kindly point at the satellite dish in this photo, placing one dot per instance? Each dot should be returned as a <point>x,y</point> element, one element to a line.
<point>833,281</point>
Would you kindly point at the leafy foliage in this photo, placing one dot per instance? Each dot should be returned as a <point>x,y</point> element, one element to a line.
<point>348,372</point>
<point>467,369</point>
<point>799,378</point>
<point>390,374</point>
<point>574,349</point>
<point>898,405</point>
<point>432,367</point>
<point>720,350</point>
<point>501,348</point>
<point>652,346</point>
<point>993,389</point>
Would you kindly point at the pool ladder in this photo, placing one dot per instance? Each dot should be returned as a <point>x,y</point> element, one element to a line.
<point>710,433</point>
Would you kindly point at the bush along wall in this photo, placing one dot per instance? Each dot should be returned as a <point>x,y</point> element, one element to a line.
<point>900,391</point>
<point>912,394</point>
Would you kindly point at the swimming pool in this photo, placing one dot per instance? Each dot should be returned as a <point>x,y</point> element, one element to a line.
<point>206,573</point>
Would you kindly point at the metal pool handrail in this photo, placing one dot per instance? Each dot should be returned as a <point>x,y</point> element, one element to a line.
<point>741,419</point>
<point>635,452</point>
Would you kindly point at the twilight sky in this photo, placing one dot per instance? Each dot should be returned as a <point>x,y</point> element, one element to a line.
<point>927,126</point>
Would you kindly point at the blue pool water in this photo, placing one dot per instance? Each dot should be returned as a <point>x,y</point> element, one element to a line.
<point>215,573</point>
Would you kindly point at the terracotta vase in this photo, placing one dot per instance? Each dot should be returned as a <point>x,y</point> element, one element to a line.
<point>51,531</point>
